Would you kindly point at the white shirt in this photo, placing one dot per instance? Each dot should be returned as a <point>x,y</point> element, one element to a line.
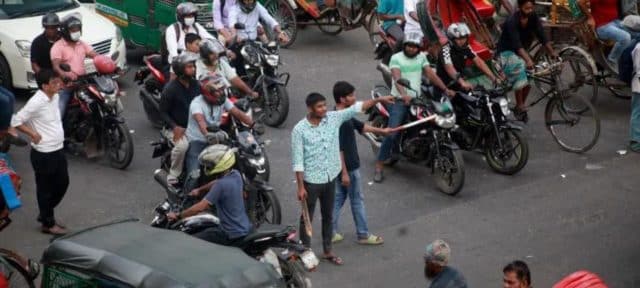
<point>223,68</point>
<point>43,116</point>
<point>174,46</point>
<point>635,82</point>
<point>251,21</point>
<point>411,25</point>
<point>221,14</point>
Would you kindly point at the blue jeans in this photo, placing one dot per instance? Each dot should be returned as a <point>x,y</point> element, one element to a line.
<point>354,193</point>
<point>7,101</point>
<point>615,31</point>
<point>634,126</point>
<point>191,164</point>
<point>397,113</point>
<point>64,96</point>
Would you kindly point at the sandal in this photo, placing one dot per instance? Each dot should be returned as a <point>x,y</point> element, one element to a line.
<point>521,115</point>
<point>371,240</point>
<point>333,259</point>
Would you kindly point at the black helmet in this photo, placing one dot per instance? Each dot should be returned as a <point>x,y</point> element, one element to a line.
<point>247,7</point>
<point>210,46</point>
<point>68,22</point>
<point>185,9</point>
<point>50,19</point>
<point>181,61</point>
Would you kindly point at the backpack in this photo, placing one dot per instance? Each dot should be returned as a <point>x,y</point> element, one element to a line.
<point>625,63</point>
<point>164,53</point>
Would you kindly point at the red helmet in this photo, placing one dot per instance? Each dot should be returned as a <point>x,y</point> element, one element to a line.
<point>209,85</point>
<point>104,64</point>
<point>581,279</point>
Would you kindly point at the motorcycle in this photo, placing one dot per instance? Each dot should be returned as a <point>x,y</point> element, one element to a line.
<point>427,136</point>
<point>94,121</point>
<point>271,244</point>
<point>151,81</point>
<point>483,125</point>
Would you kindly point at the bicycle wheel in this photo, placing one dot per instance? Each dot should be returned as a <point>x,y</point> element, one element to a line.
<point>373,27</point>
<point>284,14</point>
<point>575,132</point>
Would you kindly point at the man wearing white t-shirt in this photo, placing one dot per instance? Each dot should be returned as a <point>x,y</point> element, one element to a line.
<point>411,16</point>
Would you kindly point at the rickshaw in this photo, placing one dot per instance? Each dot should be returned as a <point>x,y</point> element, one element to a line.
<point>128,253</point>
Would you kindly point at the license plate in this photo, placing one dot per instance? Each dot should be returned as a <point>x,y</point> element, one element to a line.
<point>309,260</point>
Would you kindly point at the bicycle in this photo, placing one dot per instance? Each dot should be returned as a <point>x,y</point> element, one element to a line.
<point>20,272</point>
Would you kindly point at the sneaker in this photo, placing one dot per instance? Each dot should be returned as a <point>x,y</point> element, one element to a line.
<point>378,176</point>
<point>337,237</point>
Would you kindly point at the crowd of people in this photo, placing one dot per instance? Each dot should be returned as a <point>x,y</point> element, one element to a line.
<point>325,157</point>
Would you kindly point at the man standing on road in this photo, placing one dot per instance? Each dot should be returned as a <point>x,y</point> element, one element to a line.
<point>316,161</point>
<point>349,183</point>
<point>40,119</point>
<point>634,125</point>
<point>436,269</point>
<point>41,46</point>
<point>516,275</point>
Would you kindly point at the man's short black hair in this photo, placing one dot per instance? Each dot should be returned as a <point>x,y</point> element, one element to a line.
<point>522,2</point>
<point>314,98</point>
<point>342,89</point>
<point>521,269</point>
<point>45,76</point>
<point>191,37</point>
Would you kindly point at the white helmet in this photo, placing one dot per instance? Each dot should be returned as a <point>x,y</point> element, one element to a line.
<point>412,38</point>
<point>458,30</point>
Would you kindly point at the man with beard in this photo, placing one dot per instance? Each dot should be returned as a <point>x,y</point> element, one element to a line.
<point>436,269</point>
<point>408,64</point>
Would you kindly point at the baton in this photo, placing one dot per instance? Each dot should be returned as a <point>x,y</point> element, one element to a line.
<point>306,218</point>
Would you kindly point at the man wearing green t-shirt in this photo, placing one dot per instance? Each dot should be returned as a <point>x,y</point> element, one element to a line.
<point>408,64</point>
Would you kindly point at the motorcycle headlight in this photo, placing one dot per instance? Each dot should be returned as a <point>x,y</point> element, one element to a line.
<point>256,161</point>
<point>446,122</point>
<point>110,99</point>
<point>24,47</point>
<point>504,106</point>
<point>273,60</point>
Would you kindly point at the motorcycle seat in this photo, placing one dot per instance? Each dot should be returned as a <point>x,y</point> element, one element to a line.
<point>265,230</point>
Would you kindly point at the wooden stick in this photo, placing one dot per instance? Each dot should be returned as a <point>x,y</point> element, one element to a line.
<point>306,218</point>
<point>417,122</point>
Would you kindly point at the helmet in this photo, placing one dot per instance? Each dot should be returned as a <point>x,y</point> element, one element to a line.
<point>68,22</point>
<point>247,7</point>
<point>412,38</point>
<point>180,61</point>
<point>210,46</point>
<point>216,159</point>
<point>104,64</point>
<point>458,30</point>
<point>581,279</point>
<point>184,9</point>
<point>50,19</point>
<point>211,83</point>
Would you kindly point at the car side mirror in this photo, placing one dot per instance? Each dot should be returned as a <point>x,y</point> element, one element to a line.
<point>239,26</point>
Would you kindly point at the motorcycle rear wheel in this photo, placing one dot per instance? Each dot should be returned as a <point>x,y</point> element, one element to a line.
<point>277,112</point>
<point>120,156</point>
<point>152,115</point>
<point>449,171</point>
<point>294,274</point>
<point>496,157</point>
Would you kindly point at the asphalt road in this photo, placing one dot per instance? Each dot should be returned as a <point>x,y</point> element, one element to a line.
<point>564,212</point>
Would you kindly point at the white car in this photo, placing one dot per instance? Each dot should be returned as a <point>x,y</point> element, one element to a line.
<point>21,22</point>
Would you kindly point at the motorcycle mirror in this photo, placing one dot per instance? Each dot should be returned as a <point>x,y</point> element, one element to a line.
<point>238,26</point>
<point>115,56</point>
<point>65,67</point>
<point>404,83</point>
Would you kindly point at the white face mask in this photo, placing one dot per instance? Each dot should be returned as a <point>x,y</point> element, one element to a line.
<point>189,21</point>
<point>75,36</point>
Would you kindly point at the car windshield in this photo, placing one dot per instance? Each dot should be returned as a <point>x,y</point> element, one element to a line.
<point>10,9</point>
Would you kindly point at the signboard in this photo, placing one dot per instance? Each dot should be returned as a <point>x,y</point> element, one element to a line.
<point>116,16</point>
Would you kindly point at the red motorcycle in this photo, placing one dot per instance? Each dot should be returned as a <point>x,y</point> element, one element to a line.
<point>151,80</point>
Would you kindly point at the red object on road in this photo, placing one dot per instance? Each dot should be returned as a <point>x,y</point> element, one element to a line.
<point>581,279</point>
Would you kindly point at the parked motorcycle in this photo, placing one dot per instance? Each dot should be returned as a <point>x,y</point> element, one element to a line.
<point>93,120</point>
<point>272,244</point>
<point>427,136</point>
<point>482,116</point>
<point>151,81</point>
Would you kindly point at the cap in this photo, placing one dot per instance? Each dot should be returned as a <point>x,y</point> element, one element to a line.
<point>438,252</point>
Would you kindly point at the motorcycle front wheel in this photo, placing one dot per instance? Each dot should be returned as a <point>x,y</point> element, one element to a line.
<point>294,274</point>
<point>278,108</point>
<point>119,145</point>
<point>267,209</point>
<point>509,158</point>
<point>448,171</point>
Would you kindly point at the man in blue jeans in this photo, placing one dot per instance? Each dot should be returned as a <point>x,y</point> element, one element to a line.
<point>349,182</point>
<point>634,123</point>
<point>7,101</point>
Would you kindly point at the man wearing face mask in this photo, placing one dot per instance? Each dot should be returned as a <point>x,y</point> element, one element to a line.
<point>72,51</point>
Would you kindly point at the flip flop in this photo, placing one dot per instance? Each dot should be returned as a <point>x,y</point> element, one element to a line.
<point>371,240</point>
<point>333,259</point>
<point>337,238</point>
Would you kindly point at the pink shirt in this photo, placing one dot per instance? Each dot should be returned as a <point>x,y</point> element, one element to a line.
<point>72,54</point>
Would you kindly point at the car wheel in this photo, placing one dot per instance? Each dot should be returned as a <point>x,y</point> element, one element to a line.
<point>5,73</point>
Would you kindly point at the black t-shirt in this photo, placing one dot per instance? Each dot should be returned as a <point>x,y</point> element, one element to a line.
<point>175,101</point>
<point>514,36</point>
<point>41,52</point>
<point>457,57</point>
<point>348,143</point>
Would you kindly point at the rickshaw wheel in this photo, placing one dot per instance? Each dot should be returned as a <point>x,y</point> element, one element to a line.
<point>373,28</point>
<point>331,18</point>
<point>284,14</point>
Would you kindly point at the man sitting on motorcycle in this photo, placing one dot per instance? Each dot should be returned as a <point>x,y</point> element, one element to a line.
<point>391,13</point>
<point>211,62</point>
<point>453,58</point>
<point>225,194</point>
<point>206,111</point>
<point>409,64</point>
<point>174,107</point>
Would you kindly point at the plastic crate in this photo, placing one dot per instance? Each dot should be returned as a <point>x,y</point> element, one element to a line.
<point>57,277</point>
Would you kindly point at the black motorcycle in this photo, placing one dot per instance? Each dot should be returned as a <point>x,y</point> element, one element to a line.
<point>151,81</point>
<point>484,126</point>
<point>272,244</point>
<point>93,121</point>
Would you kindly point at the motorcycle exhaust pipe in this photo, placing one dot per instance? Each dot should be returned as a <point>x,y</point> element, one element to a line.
<point>161,177</point>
